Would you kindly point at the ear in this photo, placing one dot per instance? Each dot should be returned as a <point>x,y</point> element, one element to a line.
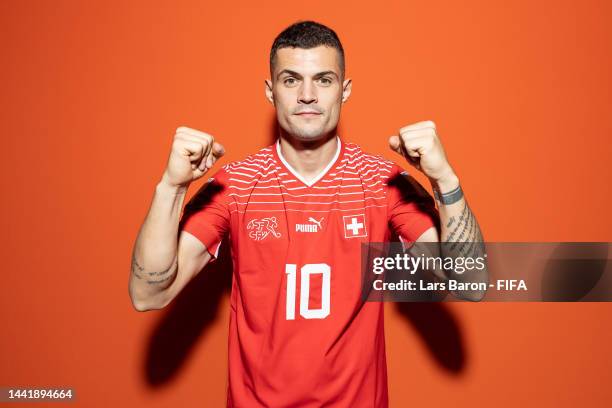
<point>347,85</point>
<point>269,94</point>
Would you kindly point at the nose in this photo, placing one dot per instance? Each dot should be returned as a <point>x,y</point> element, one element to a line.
<point>307,93</point>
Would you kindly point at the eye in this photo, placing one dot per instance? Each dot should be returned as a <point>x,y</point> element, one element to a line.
<point>289,81</point>
<point>325,80</point>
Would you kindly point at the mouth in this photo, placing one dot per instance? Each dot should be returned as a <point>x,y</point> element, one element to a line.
<point>308,114</point>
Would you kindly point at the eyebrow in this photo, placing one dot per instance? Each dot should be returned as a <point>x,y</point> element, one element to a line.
<point>295,74</point>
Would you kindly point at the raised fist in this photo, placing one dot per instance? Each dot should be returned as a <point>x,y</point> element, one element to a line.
<point>420,145</point>
<point>193,154</point>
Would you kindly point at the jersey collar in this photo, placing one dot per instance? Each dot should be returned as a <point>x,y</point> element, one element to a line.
<point>320,175</point>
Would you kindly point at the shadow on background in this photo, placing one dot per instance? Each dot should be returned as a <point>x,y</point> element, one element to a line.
<point>574,271</point>
<point>188,318</point>
<point>440,332</point>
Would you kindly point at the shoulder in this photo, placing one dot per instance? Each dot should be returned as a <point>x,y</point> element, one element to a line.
<point>369,164</point>
<point>234,177</point>
<point>254,165</point>
<point>376,171</point>
<point>260,163</point>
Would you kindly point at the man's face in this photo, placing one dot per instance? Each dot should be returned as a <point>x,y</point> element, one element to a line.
<point>308,91</point>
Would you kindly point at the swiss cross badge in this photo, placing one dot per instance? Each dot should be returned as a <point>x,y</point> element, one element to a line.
<point>354,226</point>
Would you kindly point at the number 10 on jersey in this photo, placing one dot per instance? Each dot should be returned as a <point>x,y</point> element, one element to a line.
<point>306,271</point>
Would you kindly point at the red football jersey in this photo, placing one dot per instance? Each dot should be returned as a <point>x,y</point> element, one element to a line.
<point>300,334</point>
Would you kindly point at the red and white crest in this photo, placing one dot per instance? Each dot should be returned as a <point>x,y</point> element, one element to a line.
<point>259,229</point>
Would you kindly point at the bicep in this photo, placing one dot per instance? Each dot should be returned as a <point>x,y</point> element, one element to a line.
<point>411,210</point>
<point>430,235</point>
<point>193,256</point>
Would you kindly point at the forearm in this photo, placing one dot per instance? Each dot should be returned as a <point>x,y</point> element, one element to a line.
<point>154,257</point>
<point>457,222</point>
<point>460,234</point>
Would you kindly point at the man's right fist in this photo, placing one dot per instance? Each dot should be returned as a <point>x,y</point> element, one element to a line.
<point>193,154</point>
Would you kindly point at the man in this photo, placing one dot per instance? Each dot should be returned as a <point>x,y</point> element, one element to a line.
<point>297,213</point>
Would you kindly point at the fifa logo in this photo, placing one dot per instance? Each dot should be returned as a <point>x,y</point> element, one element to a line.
<point>260,229</point>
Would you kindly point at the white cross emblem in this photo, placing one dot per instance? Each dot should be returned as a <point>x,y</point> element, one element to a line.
<point>354,226</point>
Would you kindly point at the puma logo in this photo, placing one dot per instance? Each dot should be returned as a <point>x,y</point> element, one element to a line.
<point>316,222</point>
<point>315,225</point>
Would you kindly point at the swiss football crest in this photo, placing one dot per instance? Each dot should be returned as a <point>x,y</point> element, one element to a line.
<point>259,229</point>
<point>354,226</point>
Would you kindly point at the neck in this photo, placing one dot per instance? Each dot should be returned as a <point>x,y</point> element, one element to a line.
<point>308,158</point>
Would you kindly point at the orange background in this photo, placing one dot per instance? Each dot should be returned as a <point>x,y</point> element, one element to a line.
<point>93,91</point>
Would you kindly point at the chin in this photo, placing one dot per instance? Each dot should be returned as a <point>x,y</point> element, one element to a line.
<point>307,135</point>
<point>310,138</point>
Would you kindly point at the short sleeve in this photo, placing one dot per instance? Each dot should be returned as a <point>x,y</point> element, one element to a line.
<point>206,216</point>
<point>411,209</point>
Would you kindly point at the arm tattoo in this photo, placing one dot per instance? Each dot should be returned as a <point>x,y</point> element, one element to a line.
<point>460,224</point>
<point>150,282</point>
<point>164,275</point>
<point>448,198</point>
<point>464,238</point>
<point>136,268</point>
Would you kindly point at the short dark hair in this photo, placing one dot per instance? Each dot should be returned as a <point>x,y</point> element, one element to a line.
<point>307,34</point>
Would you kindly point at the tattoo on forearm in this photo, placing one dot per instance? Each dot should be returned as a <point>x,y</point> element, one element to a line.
<point>460,224</point>
<point>451,221</point>
<point>139,271</point>
<point>461,238</point>
<point>464,232</point>
<point>468,230</point>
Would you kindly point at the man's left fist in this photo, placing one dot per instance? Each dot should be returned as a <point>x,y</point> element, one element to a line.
<point>420,145</point>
